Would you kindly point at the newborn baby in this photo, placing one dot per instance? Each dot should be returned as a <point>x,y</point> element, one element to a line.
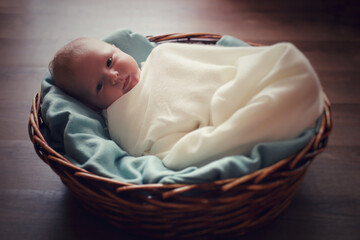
<point>193,104</point>
<point>94,72</point>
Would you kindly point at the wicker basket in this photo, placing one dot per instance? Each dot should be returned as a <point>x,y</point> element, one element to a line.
<point>217,209</point>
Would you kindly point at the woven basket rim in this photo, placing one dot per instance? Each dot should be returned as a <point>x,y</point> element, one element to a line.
<point>93,189</point>
<point>34,120</point>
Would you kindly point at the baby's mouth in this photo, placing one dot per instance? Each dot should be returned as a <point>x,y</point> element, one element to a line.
<point>126,82</point>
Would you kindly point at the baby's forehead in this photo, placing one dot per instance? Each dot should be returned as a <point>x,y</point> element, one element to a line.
<point>89,50</point>
<point>91,44</point>
<point>88,64</point>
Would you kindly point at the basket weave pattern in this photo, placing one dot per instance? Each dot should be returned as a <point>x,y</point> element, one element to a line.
<point>221,208</point>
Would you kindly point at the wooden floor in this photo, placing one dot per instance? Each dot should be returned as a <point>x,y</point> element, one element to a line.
<point>34,204</point>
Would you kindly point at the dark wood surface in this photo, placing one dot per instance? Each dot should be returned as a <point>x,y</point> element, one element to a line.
<point>34,204</point>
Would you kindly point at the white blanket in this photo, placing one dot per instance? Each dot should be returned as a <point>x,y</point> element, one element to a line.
<point>195,104</point>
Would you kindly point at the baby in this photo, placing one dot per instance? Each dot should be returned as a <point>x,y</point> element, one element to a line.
<point>94,72</point>
<point>194,104</point>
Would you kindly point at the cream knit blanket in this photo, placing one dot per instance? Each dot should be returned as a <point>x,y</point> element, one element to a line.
<point>195,104</point>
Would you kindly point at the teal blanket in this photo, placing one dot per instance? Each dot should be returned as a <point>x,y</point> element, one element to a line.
<point>80,134</point>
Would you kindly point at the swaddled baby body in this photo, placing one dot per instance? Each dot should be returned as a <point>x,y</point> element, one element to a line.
<point>195,104</point>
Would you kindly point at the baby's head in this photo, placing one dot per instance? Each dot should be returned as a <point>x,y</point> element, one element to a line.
<point>94,72</point>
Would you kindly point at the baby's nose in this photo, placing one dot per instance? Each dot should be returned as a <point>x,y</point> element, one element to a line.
<point>114,77</point>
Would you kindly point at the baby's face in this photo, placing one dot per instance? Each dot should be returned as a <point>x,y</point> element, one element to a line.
<point>104,74</point>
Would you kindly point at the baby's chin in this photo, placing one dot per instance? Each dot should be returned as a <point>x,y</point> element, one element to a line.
<point>133,83</point>
<point>135,80</point>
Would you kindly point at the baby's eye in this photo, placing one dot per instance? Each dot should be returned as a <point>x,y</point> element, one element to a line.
<point>108,62</point>
<point>98,87</point>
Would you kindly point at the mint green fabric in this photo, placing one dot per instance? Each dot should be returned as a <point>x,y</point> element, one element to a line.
<point>230,41</point>
<point>80,134</point>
